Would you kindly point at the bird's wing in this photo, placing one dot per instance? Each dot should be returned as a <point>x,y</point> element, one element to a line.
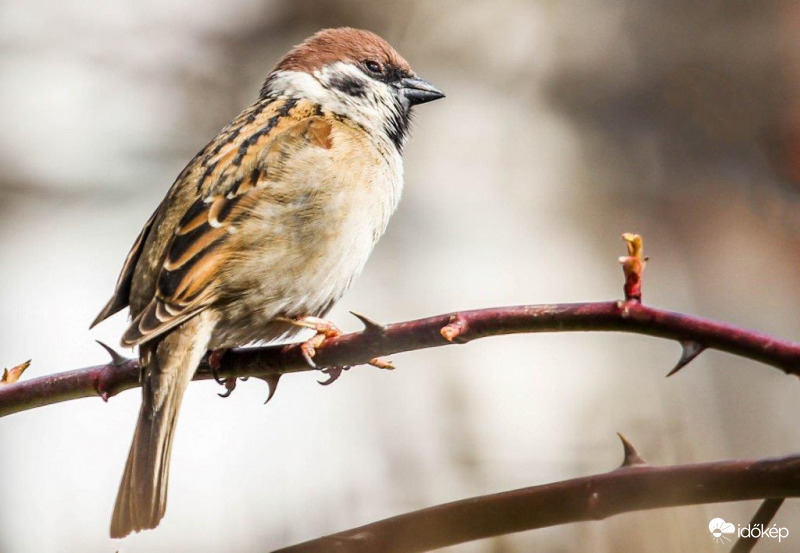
<point>200,246</point>
<point>122,291</point>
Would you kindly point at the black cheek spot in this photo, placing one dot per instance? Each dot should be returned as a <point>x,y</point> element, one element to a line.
<point>349,85</point>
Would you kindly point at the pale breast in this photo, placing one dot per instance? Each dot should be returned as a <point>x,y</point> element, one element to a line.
<point>307,235</point>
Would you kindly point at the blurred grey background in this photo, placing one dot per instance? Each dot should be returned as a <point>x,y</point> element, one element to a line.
<point>566,123</point>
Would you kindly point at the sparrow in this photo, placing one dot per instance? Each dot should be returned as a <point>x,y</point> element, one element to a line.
<point>262,232</point>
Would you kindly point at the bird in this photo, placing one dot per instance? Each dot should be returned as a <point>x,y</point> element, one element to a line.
<point>262,232</point>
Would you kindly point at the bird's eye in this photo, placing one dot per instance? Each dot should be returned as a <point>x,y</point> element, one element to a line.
<point>373,67</point>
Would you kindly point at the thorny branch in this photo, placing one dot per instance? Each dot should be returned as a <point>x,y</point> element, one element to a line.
<point>634,486</point>
<point>694,334</point>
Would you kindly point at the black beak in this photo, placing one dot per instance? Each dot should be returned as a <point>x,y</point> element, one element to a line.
<point>417,91</point>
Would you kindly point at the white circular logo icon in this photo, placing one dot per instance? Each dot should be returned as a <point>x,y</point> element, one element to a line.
<point>719,528</point>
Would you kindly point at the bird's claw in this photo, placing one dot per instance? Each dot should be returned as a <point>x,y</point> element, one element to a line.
<point>333,374</point>
<point>215,362</point>
<point>324,330</point>
<point>230,386</point>
<point>309,349</point>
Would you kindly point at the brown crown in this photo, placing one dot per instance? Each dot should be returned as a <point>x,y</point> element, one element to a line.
<point>342,44</point>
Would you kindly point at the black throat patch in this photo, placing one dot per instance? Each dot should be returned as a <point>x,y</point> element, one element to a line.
<point>397,128</point>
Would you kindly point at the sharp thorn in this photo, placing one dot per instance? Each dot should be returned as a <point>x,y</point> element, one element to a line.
<point>691,349</point>
<point>116,359</point>
<point>632,457</point>
<point>370,326</point>
<point>272,383</point>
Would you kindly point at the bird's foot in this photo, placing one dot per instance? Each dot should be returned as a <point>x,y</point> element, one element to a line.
<point>215,362</point>
<point>324,329</point>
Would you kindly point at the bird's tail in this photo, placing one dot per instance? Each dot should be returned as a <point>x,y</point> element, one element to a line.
<point>168,368</point>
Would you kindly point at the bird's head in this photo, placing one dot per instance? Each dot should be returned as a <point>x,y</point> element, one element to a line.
<point>356,74</point>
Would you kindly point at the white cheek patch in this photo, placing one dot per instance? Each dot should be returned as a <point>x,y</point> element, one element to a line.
<point>343,89</point>
<point>300,85</point>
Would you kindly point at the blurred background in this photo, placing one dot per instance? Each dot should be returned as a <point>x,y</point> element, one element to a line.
<point>565,124</point>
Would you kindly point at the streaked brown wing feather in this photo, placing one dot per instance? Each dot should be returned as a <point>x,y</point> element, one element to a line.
<point>122,290</point>
<point>187,281</point>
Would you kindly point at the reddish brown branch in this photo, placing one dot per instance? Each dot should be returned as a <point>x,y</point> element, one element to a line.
<point>465,326</point>
<point>633,486</point>
<point>629,488</point>
<point>766,512</point>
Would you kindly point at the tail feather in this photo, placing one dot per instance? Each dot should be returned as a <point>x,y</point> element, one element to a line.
<point>142,497</point>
